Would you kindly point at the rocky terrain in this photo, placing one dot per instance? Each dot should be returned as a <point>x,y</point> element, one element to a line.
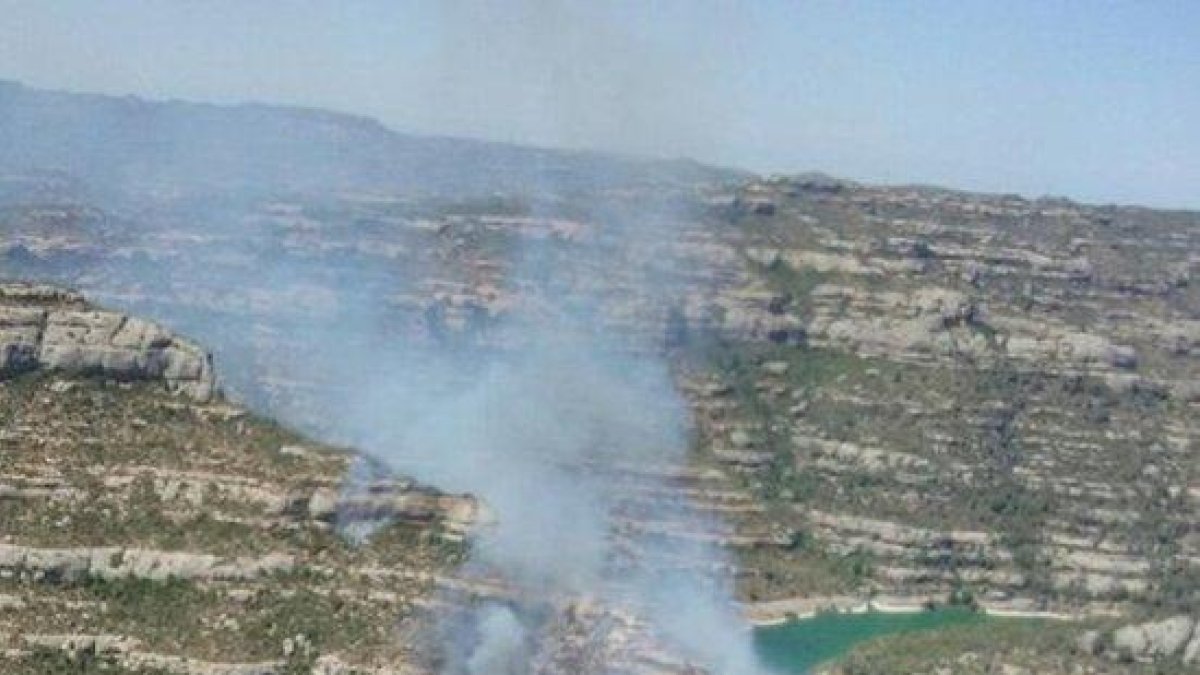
<point>159,527</point>
<point>52,330</point>
<point>1172,637</point>
<point>151,526</point>
<point>998,394</point>
<point>907,395</point>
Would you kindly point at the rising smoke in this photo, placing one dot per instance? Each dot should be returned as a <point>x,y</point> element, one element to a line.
<point>541,435</point>
<point>545,431</point>
<point>544,428</point>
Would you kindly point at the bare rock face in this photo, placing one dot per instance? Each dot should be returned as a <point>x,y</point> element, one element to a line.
<point>110,562</point>
<point>1167,637</point>
<point>43,327</point>
<point>1174,637</point>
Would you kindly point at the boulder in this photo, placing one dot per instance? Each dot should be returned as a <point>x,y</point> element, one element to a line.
<point>1152,641</point>
<point>1168,637</point>
<point>1129,640</point>
<point>323,505</point>
<point>1089,642</point>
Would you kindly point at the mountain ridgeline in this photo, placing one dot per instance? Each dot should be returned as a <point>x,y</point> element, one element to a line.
<point>170,148</point>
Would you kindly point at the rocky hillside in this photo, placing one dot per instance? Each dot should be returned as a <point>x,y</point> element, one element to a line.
<point>997,395</point>
<point>151,526</point>
<point>903,394</point>
<point>43,328</point>
<point>959,390</point>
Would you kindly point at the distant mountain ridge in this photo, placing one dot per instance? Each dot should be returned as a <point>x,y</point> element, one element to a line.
<point>138,146</point>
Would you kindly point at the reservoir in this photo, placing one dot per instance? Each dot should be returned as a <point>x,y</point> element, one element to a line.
<point>795,647</point>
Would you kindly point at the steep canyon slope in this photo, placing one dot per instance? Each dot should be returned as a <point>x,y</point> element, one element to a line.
<point>904,394</point>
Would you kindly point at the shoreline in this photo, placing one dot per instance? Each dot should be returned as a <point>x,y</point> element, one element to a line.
<point>778,612</point>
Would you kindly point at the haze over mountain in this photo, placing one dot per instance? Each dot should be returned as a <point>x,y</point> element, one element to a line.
<point>1095,102</point>
<point>142,147</point>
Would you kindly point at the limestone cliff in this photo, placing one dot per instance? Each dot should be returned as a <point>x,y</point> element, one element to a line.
<point>42,327</point>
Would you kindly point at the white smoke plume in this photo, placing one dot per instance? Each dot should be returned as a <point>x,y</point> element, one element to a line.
<point>542,423</point>
<point>502,648</point>
<point>542,429</point>
<point>540,434</point>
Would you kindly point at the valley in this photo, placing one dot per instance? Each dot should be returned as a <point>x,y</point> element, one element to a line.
<point>910,396</point>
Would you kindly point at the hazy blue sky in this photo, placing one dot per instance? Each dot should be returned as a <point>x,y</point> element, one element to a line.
<point>1095,100</point>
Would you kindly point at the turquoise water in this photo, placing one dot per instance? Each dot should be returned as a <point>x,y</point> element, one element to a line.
<point>797,646</point>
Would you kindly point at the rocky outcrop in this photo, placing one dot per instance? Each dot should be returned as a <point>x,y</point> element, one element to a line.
<point>43,327</point>
<point>400,502</point>
<point>1174,638</point>
<point>110,562</point>
<point>127,652</point>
